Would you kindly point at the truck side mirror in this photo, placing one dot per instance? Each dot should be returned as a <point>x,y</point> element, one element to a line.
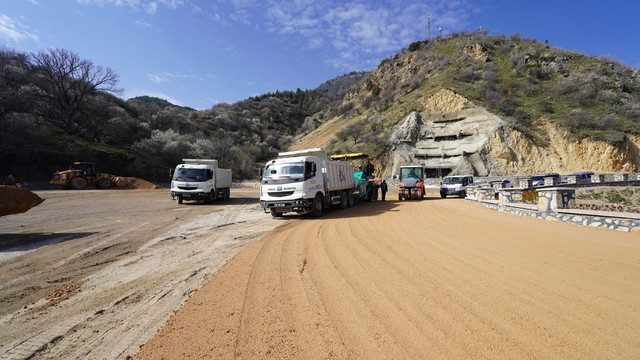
<point>313,169</point>
<point>171,172</point>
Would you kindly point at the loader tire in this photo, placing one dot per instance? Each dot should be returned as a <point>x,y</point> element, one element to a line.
<point>104,183</point>
<point>78,183</point>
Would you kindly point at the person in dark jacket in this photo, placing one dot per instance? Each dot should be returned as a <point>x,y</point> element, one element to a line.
<point>384,188</point>
<point>369,169</point>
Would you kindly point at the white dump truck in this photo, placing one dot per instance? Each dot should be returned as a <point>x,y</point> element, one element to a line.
<point>306,181</point>
<point>200,180</point>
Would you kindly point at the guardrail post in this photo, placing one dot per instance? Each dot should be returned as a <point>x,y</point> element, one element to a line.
<point>552,199</point>
<point>621,177</point>
<point>525,183</point>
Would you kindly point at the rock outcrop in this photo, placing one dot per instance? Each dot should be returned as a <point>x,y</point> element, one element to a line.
<point>451,135</point>
<point>468,139</point>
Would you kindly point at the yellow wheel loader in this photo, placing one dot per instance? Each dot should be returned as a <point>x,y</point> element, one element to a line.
<point>83,174</point>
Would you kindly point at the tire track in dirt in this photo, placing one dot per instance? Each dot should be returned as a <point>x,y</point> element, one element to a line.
<point>437,278</point>
<point>125,299</point>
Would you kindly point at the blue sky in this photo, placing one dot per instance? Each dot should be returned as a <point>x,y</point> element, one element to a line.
<point>200,53</point>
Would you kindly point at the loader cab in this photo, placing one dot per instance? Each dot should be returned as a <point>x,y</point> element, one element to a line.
<point>83,168</point>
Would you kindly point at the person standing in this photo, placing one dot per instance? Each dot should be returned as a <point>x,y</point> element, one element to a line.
<point>369,169</point>
<point>384,188</point>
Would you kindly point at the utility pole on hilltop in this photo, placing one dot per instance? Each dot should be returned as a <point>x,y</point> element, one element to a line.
<point>429,26</point>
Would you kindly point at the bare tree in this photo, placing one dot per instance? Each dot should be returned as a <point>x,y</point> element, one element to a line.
<point>65,81</point>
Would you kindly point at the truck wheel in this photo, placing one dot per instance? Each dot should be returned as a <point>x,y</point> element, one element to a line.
<point>78,183</point>
<point>352,199</point>
<point>317,206</point>
<point>104,183</point>
<point>276,214</point>
<point>227,194</point>
<point>344,200</point>
<point>212,197</point>
<point>179,199</point>
<point>463,194</point>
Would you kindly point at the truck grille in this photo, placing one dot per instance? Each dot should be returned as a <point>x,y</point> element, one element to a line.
<point>188,187</point>
<point>281,193</point>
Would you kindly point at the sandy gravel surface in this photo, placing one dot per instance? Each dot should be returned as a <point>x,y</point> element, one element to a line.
<point>109,274</point>
<point>435,279</point>
<point>93,274</point>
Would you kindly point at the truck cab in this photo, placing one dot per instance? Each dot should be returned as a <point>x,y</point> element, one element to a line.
<point>200,180</point>
<point>291,185</point>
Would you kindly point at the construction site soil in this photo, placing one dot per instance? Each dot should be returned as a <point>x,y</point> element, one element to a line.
<point>110,274</point>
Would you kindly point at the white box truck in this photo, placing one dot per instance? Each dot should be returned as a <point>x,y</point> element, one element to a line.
<point>200,180</point>
<point>306,181</point>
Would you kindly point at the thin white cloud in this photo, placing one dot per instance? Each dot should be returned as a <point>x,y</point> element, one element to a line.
<point>12,29</point>
<point>155,78</point>
<point>152,7</point>
<point>143,23</point>
<point>172,4</point>
<point>365,30</point>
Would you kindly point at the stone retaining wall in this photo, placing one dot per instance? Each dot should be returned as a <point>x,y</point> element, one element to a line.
<point>555,204</point>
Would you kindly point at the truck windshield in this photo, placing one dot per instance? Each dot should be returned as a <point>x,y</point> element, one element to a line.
<point>415,173</point>
<point>186,174</point>
<point>453,180</point>
<point>284,173</point>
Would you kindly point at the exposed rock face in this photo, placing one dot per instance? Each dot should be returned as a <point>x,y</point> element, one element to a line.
<point>453,136</point>
<point>449,134</point>
<point>512,153</point>
<point>449,137</point>
<point>409,130</point>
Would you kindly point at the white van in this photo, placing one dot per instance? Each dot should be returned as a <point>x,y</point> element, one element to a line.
<point>455,185</point>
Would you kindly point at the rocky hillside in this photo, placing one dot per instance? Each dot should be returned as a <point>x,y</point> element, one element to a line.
<point>489,106</point>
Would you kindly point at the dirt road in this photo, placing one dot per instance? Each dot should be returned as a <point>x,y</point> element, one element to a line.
<point>433,279</point>
<point>95,273</point>
<point>438,278</point>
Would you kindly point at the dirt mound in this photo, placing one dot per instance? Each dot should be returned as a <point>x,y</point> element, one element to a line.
<point>134,183</point>
<point>16,200</point>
